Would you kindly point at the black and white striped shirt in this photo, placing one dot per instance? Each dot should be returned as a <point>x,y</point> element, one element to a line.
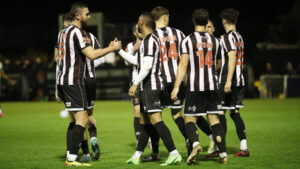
<point>90,66</point>
<point>150,47</point>
<point>71,41</point>
<point>233,41</point>
<point>202,49</point>
<point>170,40</point>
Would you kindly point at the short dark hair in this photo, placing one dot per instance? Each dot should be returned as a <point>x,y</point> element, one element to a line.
<point>149,20</point>
<point>68,17</point>
<point>200,17</point>
<point>159,11</point>
<point>76,7</point>
<point>230,15</point>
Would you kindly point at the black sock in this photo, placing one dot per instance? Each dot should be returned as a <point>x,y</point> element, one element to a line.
<point>136,125</point>
<point>76,138</point>
<point>191,131</point>
<point>180,124</point>
<point>70,128</point>
<point>203,125</point>
<point>143,138</point>
<point>219,137</point>
<point>85,147</point>
<point>223,122</point>
<point>154,138</point>
<point>92,131</point>
<point>239,125</point>
<point>165,135</point>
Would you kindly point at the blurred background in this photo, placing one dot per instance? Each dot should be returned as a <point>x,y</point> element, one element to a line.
<point>28,32</point>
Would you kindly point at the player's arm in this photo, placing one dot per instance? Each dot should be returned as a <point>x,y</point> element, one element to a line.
<point>229,45</point>
<point>128,57</point>
<point>231,68</point>
<point>182,67</point>
<point>56,54</point>
<point>145,70</point>
<point>92,54</point>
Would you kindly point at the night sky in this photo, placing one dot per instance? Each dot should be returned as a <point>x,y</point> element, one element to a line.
<point>253,23</point>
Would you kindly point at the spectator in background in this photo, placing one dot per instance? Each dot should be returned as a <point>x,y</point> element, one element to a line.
<point>39,80</point>
<point>27,82</point>
<point>269,70</point>
<point>290,70</point>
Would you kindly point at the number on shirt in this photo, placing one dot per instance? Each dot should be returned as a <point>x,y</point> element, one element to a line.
<point>172,52</point>
<point>239,60</point>
<point>62,50</point>
<point>207,60</point>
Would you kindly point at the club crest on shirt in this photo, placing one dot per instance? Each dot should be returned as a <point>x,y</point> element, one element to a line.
<point>192,108</point>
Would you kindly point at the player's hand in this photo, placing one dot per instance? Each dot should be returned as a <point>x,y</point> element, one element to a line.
<point>227,87</point>
<point>111,44</point>
<point>117,45</point>
<point>132,90</point>
<point>58,99</point>
<point>137,46</point>
<point>174,93</point>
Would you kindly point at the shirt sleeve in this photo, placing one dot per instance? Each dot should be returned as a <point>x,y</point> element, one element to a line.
<point>184,46</point>
<point>229,43</point>
<point>150,47</point>
<point>81,39</point>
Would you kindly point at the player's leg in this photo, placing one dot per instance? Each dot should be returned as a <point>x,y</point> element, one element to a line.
<point>142,140</point>
<point>219,135</point>
<point>193,136</point>
<point>154,156</point>
<point>213,109</point>
<point>137,114</point>
<point>165,134</point>
<point>238,94</point>
<point>93,135</point>
<point>90,86</point>
<point>86,158</point>
<point>81,118</point>
<point>69,130</point>
<point>179,120</point>
<point>204,126</point>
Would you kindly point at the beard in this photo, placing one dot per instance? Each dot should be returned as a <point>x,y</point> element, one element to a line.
<point>84,22</point>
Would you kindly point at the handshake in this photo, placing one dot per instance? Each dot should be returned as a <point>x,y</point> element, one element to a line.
<point>116,45</point>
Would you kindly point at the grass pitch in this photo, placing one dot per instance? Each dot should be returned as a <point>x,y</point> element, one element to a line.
<point>33,136</point>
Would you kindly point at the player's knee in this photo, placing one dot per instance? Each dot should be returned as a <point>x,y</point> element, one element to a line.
<point>176,113</point>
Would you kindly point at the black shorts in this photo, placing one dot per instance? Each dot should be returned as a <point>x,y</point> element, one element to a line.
<point>150,101</point>
<point>167,101</point>
<point>135,100</point>
<point>202,103</point>
<point>234,99</point>
<point>73,96</point>
<point>90,86</point>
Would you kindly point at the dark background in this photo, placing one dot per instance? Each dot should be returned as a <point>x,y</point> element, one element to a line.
<point>28,32</point>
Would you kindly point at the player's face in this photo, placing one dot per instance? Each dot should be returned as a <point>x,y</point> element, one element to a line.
<point>136,33</point>
<point>85,16</point>
<point>210,29</point>
<point>140,23</point>
<point>167,19</point>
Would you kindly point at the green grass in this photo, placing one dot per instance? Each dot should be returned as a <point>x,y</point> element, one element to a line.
<point>33,136</point>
